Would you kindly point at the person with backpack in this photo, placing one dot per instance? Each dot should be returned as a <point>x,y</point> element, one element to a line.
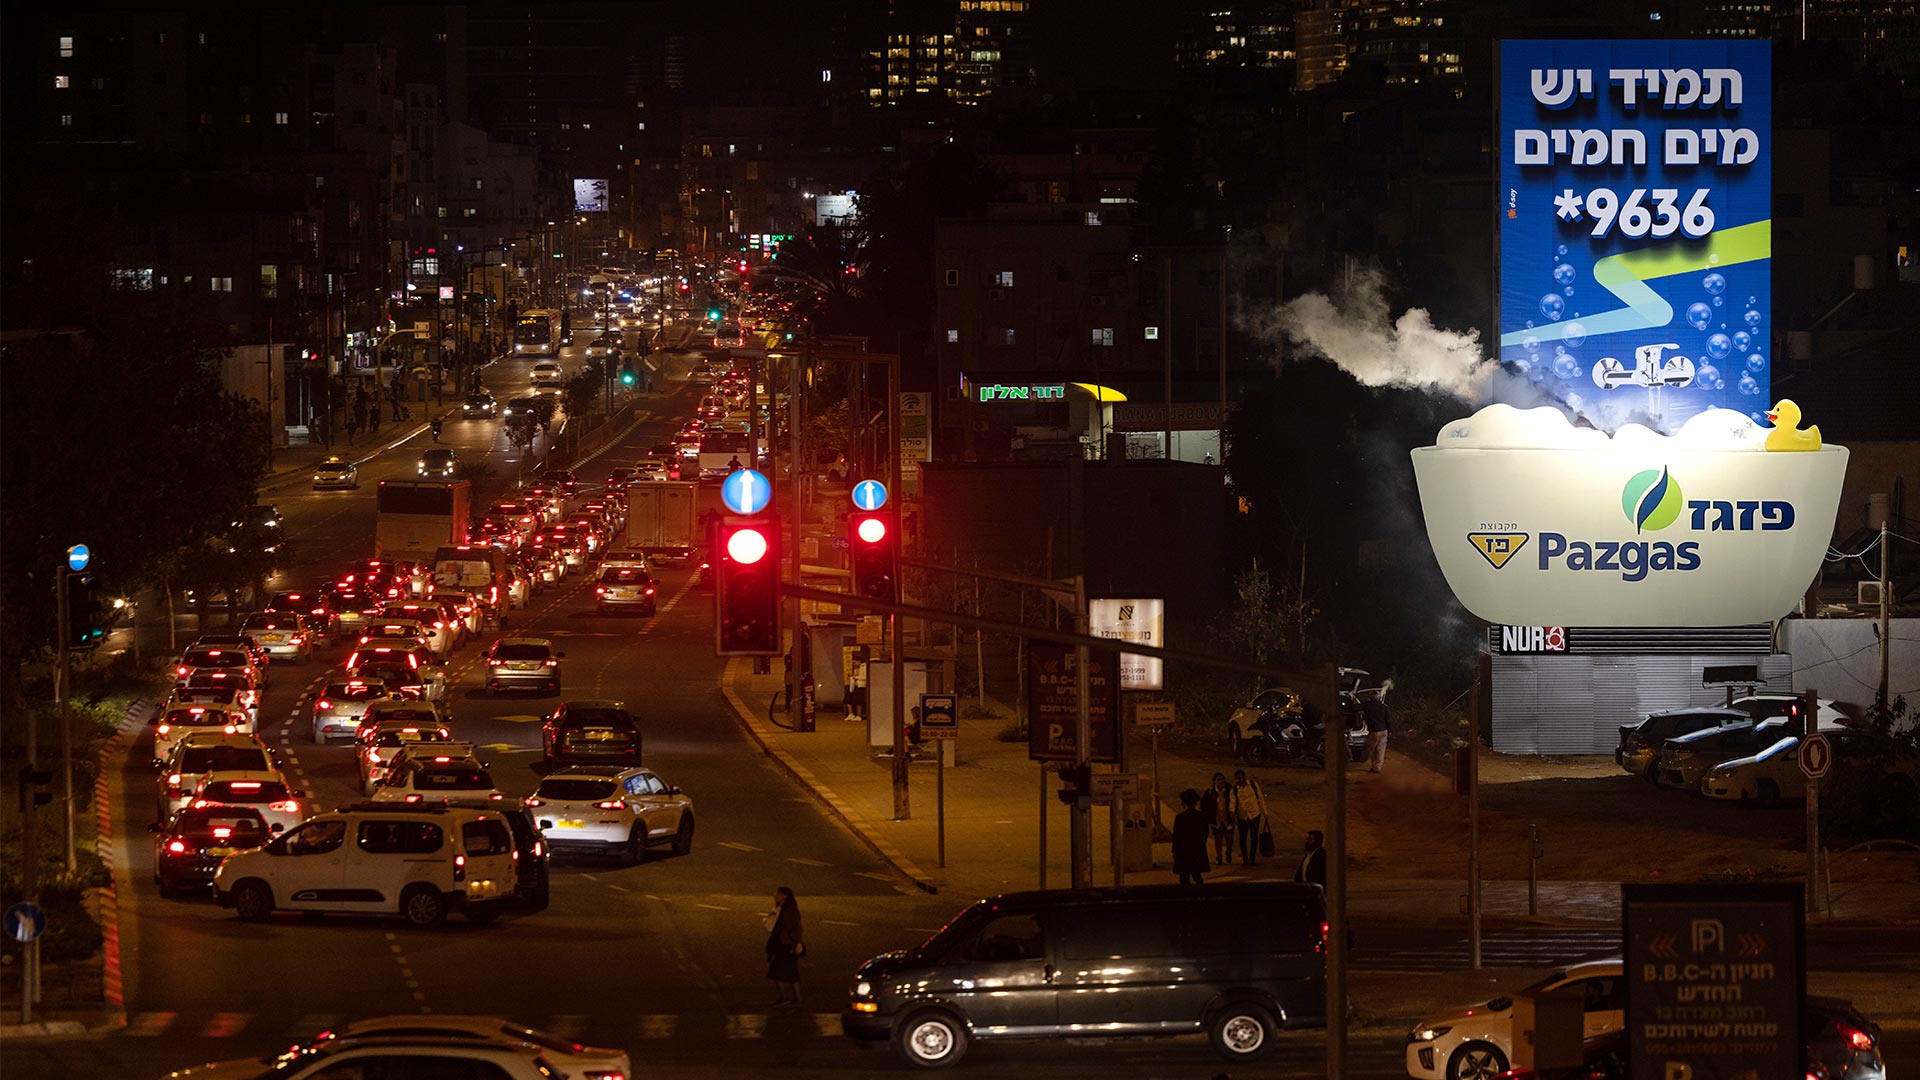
<point>1250,815</point>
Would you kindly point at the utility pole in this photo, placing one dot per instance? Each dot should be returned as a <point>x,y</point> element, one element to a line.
<point>1081,836</point>
<point>1886,616</point>
<point>63,674</point>
<point>1336,757</point>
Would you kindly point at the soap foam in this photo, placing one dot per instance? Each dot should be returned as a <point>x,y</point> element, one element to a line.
<point>1504,427</point>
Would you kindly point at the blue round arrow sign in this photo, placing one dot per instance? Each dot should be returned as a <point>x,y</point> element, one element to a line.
<point>869,494</point>
<point>77,557</point>
<point>746,492</point>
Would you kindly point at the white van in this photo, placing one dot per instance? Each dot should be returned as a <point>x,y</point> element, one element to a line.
<point>417,860</point>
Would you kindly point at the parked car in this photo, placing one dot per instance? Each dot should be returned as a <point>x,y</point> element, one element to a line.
<point>1774,775</point>
<point>1238,961</point>
<point>1475,1041</point>
<point>1640,742</point>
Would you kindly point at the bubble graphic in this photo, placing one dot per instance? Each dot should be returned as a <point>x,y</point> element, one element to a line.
<point>1699,315</point>
<point>1529,324</point>
<point>1719,300</point>
<point>1574,334</point>
<point>1714,284</point>
<point>1748,385</point>
<point>1741,340</point>
<point>1707,377</point>
<point>1568,290</point>
<point>1719,346</point>
<point>1562,250</point>
<point>1568,366</point>
<point>1756,363</point>
<point>1713,260</point>
<point>1563,274</point>
<point>1758,416</point>
<point>1753,319</point>
<point>1521,365</point>
<point>1530,343</point>
<point>1752,300</point>
<point>1552,306</point>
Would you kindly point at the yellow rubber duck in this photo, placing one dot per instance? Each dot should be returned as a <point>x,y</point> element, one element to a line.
<point>1786,433</point>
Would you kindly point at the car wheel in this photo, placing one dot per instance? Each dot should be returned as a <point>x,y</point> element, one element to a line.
<point>683,836</point>
<point>1476,1061</point>
<point>1769,793</point>
<point>423,906</point>
<point>636,849</point>
<point>1241,1031</point>
<point>253,901</point>
<point>1256,751</point>
<point>933,1039</point>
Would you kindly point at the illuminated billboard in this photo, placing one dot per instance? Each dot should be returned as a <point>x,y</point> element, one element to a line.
<point>1138,622</point>
<point>590,196</point>
<point>1635,226</point>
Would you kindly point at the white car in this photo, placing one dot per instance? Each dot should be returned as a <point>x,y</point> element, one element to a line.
<point>546,374</point>
<point>202,753</point>
<point>361,1057</point>
<point>613,811</point>
<point>416,861</point>
<point>1774,773</point>
<point>386,730</point>
<point>1475,1042</point>
<point>179,721</point>
<point>572,1059</point>
<point>281,633</point>
<point>341,703</point>
<point>436,771</point>
<point>466,607</point>
<point>407,623</point>
<point>279,805</point>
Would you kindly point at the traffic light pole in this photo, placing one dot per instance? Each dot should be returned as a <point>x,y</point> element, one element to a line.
<point>1081,834</point>
<point>63,675</point>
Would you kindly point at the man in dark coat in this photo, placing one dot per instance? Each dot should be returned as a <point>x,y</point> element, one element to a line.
<point>1313,866</point>
<point>1190,839</point>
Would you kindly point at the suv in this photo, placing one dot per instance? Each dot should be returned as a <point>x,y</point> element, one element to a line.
<point>1236,960</point>
<point>407,668</point>
<point>418,861</point>
<point>624,587</point>
<point>1640,743</point>
<point>203,752</point>
<point>521,662</point>
<point>591,733</point>
<point>436,770</point>
<point>281,633</point>
<point>612,811</point>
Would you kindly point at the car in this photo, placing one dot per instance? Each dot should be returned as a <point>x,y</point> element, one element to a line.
<point>572,1059</point>
<point>279,805</point>
<point>1683,760</point>
<point>653,470</point>
<point>172,724</point>
<point>419,862</point>
<point>255,653</point>
<point>315,607</point>
<point>220,687</point>
<point>234,663</point>
<point>340,704</point>
<point>547,374</point>
<point>1839,1044</point>
<point>464,609</point>
<point>520,583</point>
<point>188,848</point>
<point>358,1058</point>
<point>438,770</point>
<point>392,725</point>
<point>283,634</point>
<point>408,623</point>
<point>1766,705</point>
<point>1773,774</point>
<point>1475,1041</point>
<point>336,474</point>
<point>624,588</point>
<point>202,752</point>
<point>479,405</point>
<point>523,662</point>
<point>595,732</point>
<point>1640,742</point>
<point>1236,960</point>
<point>563,480</point>
<point>619,479</point>
<point>1276,703</point>
<point>613,811</point>
<point>437,462</point>
<point>521,408</point>
<point>601,347</point>
<point>404,667</point>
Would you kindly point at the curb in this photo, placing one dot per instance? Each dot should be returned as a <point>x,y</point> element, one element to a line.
<point>292,476</point>
<point>836,807</point>
<point>112,969</point>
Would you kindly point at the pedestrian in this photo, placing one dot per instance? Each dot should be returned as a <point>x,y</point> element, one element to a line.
<point>1313,865</point>
<point>373,418</point>
<point>1374,711</point>
<point>1217,806</point>
<point>733,464</point>
<point>785,947</point>
<point>1190,829</point>
<point>1249,815</point>
<point>353,427</point>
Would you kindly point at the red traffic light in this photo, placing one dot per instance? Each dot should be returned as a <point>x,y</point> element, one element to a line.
<point>872,530</point>
<point>873,554</point>
<point>747,588</point>
<point>747,546</point>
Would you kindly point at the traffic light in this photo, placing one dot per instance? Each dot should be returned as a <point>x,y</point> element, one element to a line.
<point>743,266</point>
<point>83,613</point>
<point>714,314</point>
<point>746,594</point>
<point>873,541</point>
<point>626,374</point>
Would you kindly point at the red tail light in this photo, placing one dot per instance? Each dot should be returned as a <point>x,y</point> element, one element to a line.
<point>649,590</point>
<point>599,588</point>
<point>610,804</point>
<point>494,662</point>
<point>551,662</point>
<point>459,868</point>
<point>535,802</point>
<point>287,807</point>
<point>178,847</point>
<point>416,798</point>
<point>1854,1037</point>
<point>323,703</point>
<point>181,670</point>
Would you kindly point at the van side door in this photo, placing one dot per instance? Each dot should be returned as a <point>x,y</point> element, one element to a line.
<point>1120,972</point>
<point>1002,977</point>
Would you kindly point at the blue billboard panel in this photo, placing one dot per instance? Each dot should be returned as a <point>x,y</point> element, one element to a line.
<point>1635,227</point>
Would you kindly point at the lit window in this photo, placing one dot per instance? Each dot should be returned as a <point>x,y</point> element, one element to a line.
<point>469,211</point>
<point>443,211</point>
<point>953,277</point>
<point>269,280</point>
<point>66,48</point>
<point>221,284</point>
<point>1093,217</point>
<point>479,186</point>
<point>1103,335</point>
<point>953,337</point>
<point>1152,333</point>
<point>280,118</point>
<point>66,119</point>
<point>61,82</point>
<point>1004,279</point>
<point>1007,340</point>
<point>826,75</point>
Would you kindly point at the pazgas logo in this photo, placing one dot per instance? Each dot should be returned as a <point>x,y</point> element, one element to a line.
<point>1651,500</point>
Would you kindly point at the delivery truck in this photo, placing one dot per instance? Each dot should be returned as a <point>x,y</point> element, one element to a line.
<point>415,518</point>
<point>479,570</point>
<point>661,519</point>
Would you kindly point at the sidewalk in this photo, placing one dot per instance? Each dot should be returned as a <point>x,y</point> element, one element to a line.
<point>994,800</point>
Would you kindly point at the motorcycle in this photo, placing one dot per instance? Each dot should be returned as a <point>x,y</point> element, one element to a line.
<point>1282,739</point>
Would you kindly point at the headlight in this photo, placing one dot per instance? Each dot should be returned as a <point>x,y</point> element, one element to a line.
<point>863,988</point>
<point>1428,1034</point>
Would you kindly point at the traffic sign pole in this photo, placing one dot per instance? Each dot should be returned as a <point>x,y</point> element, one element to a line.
<point>1810,731</point>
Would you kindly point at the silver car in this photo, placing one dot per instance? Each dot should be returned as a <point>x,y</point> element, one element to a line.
<point>523,662</point>
<point>281,633</point>
<point>612,810</point>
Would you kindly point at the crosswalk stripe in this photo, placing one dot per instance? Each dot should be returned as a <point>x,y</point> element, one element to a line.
<point>826,1024</point>
<point>658,1025</point>
<point>225,1024</point>
<point>745,1026</point>
<point>149,1023</point>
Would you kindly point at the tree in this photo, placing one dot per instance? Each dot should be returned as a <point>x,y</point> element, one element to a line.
<point>584,387</point>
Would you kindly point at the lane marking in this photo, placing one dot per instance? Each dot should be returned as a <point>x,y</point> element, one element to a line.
<point>741,1026</point>
<point>225,1024</point>
<point>807,862</point>
<point>713,907</point>
<point>149,1024</point>
<point>737,846</point>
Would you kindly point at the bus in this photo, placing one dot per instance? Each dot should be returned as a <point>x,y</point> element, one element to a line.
<point>537,333</point>
<point>720,448</point>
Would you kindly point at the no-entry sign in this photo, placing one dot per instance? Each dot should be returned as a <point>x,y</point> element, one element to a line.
<point>1816,756</point>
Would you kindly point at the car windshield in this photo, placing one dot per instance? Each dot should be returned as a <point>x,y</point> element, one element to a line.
<point>380,713</point>
<point>245,791</point>
<point>438,455</point>
<point>354,691</point>
<point>576,789</point>
<point>228,827</point>
<point>459,779</point>
<point>479,399</point>
<point>512,651</point>
<point>202,759</point>
<point>216,658</point>
<point>407,736</point>
<point>625,575</point>
<point>195,718</point>
<point>211,695</point>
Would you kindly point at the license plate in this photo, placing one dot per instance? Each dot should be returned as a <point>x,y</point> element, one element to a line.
<point>221,852</point>
<point>518,666</point>
<point>563,823</point>
<point>274,639</point>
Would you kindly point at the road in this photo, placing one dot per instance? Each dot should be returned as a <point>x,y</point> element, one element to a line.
<point>664,958</point>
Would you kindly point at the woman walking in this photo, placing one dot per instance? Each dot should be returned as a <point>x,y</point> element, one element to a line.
<point>785,947</point>
<point>1216,805</point>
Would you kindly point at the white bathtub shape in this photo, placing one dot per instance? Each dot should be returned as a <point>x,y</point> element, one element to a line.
<point>1580,536</point>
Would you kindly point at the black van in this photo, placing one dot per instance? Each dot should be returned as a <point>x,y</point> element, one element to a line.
<point>1238,960</point>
